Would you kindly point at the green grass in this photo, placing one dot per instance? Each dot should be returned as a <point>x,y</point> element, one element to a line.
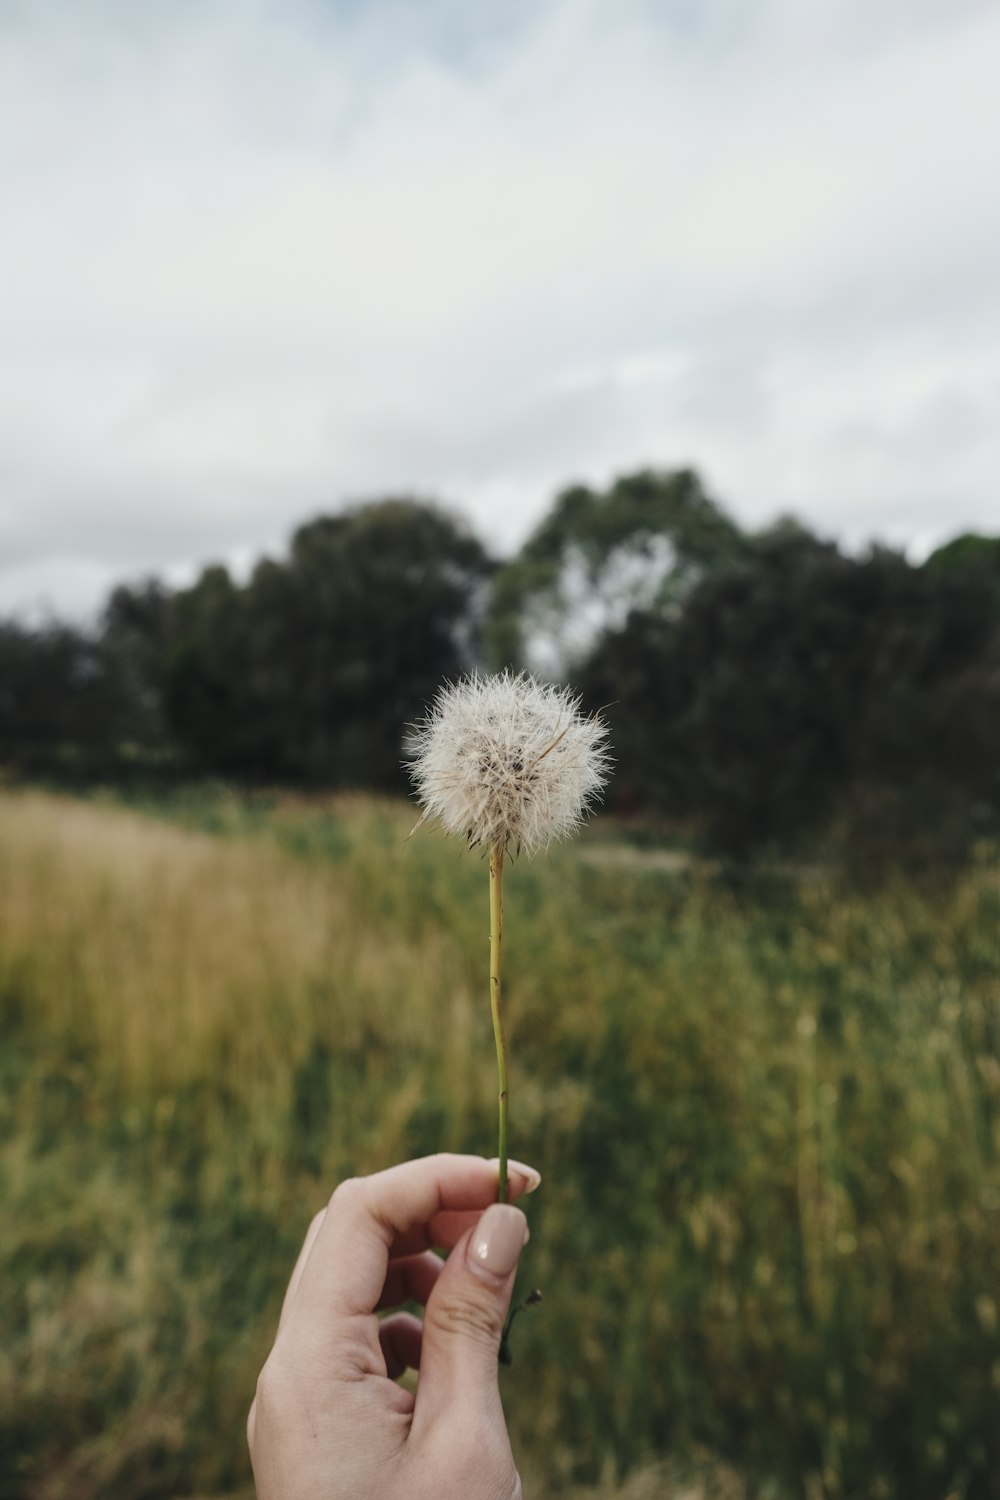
<point>768,1121</point>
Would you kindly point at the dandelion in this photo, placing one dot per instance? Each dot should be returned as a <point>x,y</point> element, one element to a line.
<point>511,765</point>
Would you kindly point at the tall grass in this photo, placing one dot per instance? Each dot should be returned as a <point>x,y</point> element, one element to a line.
<point>768,1122</point>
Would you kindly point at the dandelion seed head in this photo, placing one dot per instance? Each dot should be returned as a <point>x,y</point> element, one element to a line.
<point>508,760</point>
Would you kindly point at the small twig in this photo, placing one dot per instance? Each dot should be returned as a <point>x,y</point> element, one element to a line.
<point>505,1356</point>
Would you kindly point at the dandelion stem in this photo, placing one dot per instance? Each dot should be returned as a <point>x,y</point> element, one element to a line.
<point>497,851</point>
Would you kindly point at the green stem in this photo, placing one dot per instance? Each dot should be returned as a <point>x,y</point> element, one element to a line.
<point>496,934</point>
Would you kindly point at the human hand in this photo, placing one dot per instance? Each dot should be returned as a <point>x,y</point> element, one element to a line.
<point>329,1421</point>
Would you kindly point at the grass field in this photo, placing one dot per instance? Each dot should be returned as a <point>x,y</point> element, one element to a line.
<point>767,1117</point>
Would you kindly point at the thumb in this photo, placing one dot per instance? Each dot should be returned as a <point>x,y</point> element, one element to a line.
<point>465,1314</point>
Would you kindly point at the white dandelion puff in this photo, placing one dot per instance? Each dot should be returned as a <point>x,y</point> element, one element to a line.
<point>508,762</point>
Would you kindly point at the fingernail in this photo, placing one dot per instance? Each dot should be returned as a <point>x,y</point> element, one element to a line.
<point>499,1238</point>
<point>530,1176</point>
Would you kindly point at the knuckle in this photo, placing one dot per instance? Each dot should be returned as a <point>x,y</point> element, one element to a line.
<point>262,1395</point>
<point>442,1160</point>
<point>346,1193</point>
<point>272,1408</point>
<point>468,1318</point>
<point>270,1394</point>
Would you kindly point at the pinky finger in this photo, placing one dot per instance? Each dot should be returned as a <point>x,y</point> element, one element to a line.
<point>400,1336</point>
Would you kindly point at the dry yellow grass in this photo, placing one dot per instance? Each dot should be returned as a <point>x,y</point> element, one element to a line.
<point>175,953</point>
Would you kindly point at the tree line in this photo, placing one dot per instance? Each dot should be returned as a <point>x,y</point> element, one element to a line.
<point>763,688</point>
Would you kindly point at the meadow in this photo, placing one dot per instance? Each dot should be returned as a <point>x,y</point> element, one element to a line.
<point>767,1115</point>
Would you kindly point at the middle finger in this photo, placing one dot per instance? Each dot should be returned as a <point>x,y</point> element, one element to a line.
<point>410,1280</point>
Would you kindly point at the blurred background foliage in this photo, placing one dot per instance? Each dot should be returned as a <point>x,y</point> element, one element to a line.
<point>767,1114</point>
<point>765,691</point>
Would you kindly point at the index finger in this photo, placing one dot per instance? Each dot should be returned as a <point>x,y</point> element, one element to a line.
<point>390,1213</point>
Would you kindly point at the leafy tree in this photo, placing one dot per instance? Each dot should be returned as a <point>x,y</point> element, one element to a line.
<point>644,542</point>
<point>209,702</point>
<point>133,643</point>
<point>969,553</point>
<point>312,670</point>
<point>805,683</point>
<point>60,706</point>
<point>386,607</point>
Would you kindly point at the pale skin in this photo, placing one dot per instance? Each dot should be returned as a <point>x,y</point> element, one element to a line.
<point>329,1421</point>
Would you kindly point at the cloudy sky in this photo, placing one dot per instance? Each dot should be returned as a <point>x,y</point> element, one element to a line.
<point>258,260</point>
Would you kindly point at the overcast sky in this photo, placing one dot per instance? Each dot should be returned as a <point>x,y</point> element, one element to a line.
<point>258,260</point>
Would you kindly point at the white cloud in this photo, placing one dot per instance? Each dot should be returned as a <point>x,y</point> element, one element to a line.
<point>258,260</point>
